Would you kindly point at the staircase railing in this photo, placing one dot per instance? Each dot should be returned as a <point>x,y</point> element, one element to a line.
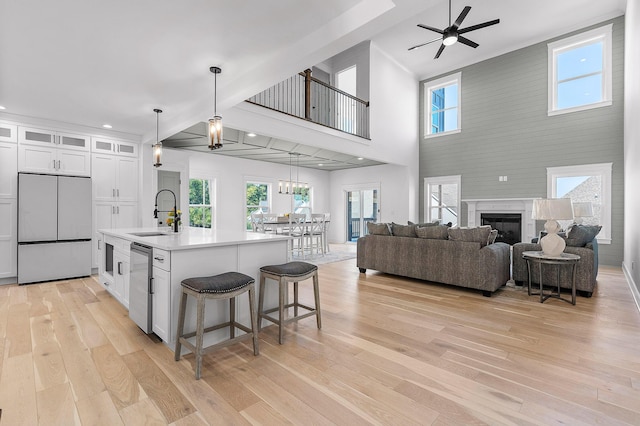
<point>308,98</point>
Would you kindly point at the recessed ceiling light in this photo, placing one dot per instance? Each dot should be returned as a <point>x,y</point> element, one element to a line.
<point>1,107</point>
<point>360,158</point>
<point>251,135</point>
<point>107,126</point>
<point>320,164</point>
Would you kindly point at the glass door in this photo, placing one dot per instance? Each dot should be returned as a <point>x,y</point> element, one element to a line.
<point>362,207</point>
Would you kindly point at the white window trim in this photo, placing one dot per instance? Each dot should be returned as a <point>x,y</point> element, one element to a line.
<point>605,34</point>
<point>258,181</point>
<point>441,180</point>
<point>429,86</point>
<point>604,171</point>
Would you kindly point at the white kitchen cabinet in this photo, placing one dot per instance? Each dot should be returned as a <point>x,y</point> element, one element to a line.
<point>109,215</point>
<point>8,170</point>
<point>115,266</point>
<point>8,238</point>
<point>114,147</point>
<point>114,178</point>
<point>161,302</point>
<point>47,151</point>
<point>8,133</point>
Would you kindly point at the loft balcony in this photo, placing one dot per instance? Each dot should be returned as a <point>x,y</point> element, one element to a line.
<point>310,99</point>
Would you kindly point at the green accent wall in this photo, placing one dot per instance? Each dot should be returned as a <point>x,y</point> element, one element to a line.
<point>506,132</point>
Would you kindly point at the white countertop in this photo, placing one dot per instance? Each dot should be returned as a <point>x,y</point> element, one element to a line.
<point>190,238</point>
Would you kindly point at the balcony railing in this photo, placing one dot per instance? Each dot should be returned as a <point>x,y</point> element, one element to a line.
<point>308,98</point>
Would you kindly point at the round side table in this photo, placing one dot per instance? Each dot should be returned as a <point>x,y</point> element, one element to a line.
<point>564,259</point>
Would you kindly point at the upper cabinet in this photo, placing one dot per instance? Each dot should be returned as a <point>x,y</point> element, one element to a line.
<point>46,151</point>
<point>108,146</point>
<point>8,133</point>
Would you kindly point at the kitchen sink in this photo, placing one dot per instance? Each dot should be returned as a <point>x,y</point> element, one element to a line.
<point>149,234</point>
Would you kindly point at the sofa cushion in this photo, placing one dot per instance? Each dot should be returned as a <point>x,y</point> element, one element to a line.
<point>403,230</point>
<point>580,235</point>
<point>478,235</point>
<point>440,232</point>
<point>378,228</point>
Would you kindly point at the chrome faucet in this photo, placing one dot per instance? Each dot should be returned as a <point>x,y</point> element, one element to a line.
<point>176,217</point>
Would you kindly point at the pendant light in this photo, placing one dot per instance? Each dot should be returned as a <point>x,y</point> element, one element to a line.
<point>215,123</point>
<point>157,148</point>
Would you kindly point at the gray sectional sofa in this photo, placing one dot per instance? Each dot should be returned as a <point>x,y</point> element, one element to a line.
<point>460,261</point>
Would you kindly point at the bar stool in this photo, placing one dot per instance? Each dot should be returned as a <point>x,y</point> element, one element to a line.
<point>284,274</point>
<point>224,286</point>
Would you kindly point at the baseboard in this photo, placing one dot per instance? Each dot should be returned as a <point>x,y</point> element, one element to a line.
<point>10,280</point>
<point>632,285</point>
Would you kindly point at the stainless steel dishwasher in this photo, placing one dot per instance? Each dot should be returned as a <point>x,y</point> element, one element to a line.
<point>141,286</point>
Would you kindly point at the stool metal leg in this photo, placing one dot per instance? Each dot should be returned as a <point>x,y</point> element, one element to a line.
<point>295,298</point>
<point>181,314</point>
<point>316,295</point>
<point>232,317</point>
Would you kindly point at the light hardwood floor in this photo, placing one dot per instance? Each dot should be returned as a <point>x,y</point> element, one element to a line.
<point>391,351</point>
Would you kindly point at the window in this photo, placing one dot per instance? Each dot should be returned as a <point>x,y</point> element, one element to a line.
<point>200,210</point>
<point>442,112</point>
<point>592,183</point>
<point>257,200</point>
<point>442,199</point>
<point>580,71</point>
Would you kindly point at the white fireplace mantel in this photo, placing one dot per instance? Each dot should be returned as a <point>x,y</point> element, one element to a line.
<point>524,206</point>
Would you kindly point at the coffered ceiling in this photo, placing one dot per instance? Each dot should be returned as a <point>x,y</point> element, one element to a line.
<point>238,143</point>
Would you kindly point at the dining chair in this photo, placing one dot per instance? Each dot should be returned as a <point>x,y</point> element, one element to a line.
<point>268,221</point>
<point>315,232</point>
<point>296,230</point>
<point>257,222</point>
<point>325,234</point>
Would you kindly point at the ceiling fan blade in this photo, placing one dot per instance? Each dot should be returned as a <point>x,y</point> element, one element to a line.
<point>424,44</point>
<point>468,42</point>
<point>426,27</point>
<point>442,46</point>
<point>478,26</point>
<point>461,17</point>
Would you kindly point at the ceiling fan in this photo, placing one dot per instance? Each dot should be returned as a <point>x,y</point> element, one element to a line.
<point>451,34</point>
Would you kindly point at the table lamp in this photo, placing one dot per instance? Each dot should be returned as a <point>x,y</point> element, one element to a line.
<point>551,210</point>
<point>580,210</point>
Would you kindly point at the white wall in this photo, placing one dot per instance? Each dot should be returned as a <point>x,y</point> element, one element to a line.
<point>631,262</point>
<point>394,198</point>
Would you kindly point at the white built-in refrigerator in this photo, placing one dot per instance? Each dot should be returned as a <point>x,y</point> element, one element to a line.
<point>54,227</point>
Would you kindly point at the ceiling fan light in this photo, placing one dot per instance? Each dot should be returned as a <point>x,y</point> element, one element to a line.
<point>215,132</point>
<point>449,39</point>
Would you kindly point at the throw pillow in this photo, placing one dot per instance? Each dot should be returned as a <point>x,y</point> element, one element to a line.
<point>403,230</point>
<point>580,235</point>
<point>439,232</point>
<point>422,225</point>
<point>479,234</point>
<point>492,236</point>
<point>378,228</point>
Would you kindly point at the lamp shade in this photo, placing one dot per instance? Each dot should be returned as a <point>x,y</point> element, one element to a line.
<point>552,208</point>
<point>583,209</point>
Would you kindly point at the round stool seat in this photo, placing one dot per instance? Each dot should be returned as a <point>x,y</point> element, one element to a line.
<point>290,269</point>
<point>222,283</point>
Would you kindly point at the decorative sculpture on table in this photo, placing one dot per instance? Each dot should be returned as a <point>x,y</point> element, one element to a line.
<point>551,210</point>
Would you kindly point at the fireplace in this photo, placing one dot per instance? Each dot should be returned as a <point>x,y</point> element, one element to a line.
<point>508,225</point>
<point>520,206</point>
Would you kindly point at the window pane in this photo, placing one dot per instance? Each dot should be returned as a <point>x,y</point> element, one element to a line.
<point>582,189</point>
<point>195,191</point>
<point>582,91</point>
<point>451,96</point>
<point>580,61</point>
<point>206,193</point>
<point>450,119</point>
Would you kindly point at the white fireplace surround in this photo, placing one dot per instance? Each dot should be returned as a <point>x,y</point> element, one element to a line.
<point>524,206</point>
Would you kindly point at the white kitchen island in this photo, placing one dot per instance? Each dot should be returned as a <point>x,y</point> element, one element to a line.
<point>193,252</point>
